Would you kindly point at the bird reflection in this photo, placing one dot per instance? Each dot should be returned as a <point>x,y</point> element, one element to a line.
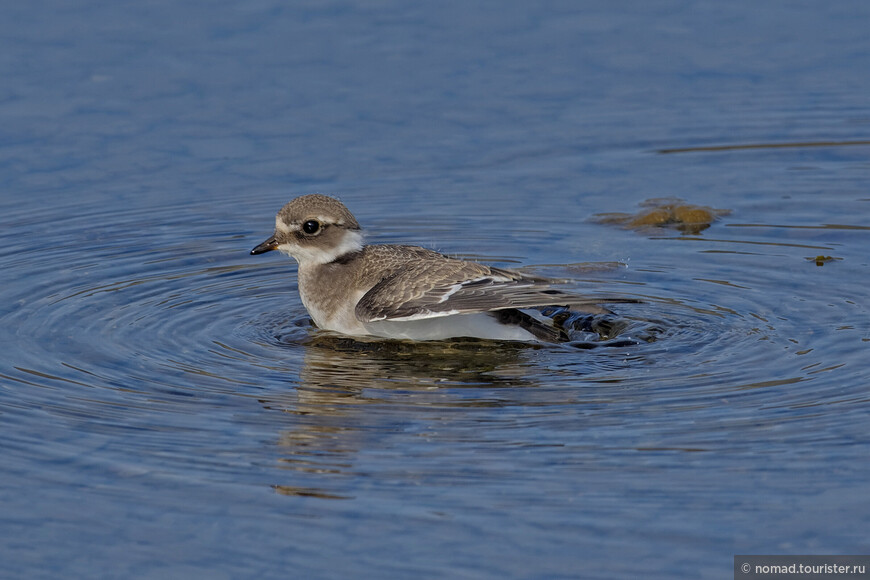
<point>348,392</point>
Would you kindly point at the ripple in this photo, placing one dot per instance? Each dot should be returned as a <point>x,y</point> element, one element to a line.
<point>135,326</point>
<point>156,318</point>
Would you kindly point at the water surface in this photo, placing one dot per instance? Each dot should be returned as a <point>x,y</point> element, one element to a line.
<point>168,411</point>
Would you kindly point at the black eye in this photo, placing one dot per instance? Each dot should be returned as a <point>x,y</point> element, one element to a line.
<point>311,227</point>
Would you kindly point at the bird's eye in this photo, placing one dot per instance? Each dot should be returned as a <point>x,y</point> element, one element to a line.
<point>311,227</point>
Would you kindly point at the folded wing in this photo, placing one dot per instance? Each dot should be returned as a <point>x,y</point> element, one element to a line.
<point>449,286</point>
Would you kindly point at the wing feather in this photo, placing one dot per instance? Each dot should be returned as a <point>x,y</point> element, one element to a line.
<point>441,286</point>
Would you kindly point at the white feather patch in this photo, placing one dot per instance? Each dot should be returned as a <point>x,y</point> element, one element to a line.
<point>283,227</point>
<point>422,316</point>
<point>478,325</point>
<point>314,255</point>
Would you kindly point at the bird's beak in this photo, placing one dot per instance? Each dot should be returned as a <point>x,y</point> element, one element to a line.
<point>267,246</point>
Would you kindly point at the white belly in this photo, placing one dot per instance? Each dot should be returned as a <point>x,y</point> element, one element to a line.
<point>342,320</point>
<point>478,325</point>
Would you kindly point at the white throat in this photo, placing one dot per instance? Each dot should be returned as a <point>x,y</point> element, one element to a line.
<point>314,255</point>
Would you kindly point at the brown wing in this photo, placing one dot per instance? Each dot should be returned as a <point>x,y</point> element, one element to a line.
<point>440,286</point>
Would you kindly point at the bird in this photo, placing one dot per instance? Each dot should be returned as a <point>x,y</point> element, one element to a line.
<point>406,292</point>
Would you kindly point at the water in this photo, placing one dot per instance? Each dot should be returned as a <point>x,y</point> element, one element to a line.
<point>167,411</point>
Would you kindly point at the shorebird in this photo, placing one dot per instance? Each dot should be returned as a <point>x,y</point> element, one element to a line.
<point>408,292</point>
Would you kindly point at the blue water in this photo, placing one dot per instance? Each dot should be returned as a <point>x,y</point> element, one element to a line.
<point>167,410</point>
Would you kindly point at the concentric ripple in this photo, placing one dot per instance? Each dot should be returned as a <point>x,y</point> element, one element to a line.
<point>155,316</point>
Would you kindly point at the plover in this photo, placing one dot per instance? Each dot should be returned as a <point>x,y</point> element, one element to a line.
<point>408,292</point>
